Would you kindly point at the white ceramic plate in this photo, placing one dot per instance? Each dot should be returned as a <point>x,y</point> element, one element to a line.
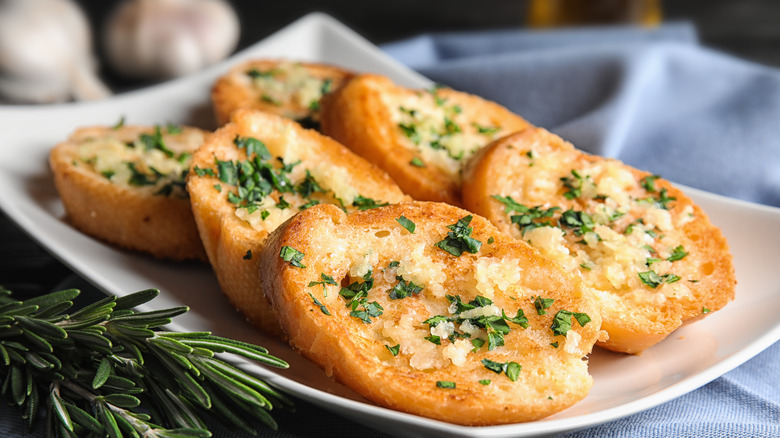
<point>691,357</point>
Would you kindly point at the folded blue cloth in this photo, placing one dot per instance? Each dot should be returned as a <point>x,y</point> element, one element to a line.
<point>656,100</point>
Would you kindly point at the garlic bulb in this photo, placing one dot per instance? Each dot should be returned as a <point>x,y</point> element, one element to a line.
<point>45,53</point>
<point>157,39</point>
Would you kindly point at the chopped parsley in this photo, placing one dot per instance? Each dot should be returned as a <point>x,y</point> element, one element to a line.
<point>417,162</point>
<point>484,382</point>
<point>511,369</point>
<point>317,302</point>
<point>648,182</point>
<point>653,279</point>
<point>326,279</point>
<point>120,123</point>
<point>394,350</point>
<point>292,256</point>
<point>678,253</point>
<point>459,239</point>
<point>574,185</point>
<point>562,321</point>
<point>253,146</point>
<point>445,384</point>
<point>173,129</point>
<point>491,240</point>
<point>495,326</point>
<point>579,221</point>
<point>156,141</point>
<point>487,130</point>
<point>406,223</point>
<point>248,255</point>
<point>363,203</point>
<point>528,217</point>
<point>705,310</point>
<point>355,294</point>
<point>203,172</point>
<point>541,304</point>
<point>404,289</point>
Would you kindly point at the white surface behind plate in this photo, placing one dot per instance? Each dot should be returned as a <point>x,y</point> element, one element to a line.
<point>691,357</point>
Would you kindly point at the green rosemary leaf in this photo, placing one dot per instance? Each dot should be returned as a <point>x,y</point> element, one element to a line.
<point>171,344</point>
<point>184,433</point>
<point>102,373</point>
<point>37,341</point>
<point>60,409</point>
<point>99,308</point>
<point>53,298</point>
<point>37,361</point>
<point>4,354</point>
<point>143,316</point>
<point>42,328</point>
<point>130,330</point>
<point>31,409</point>
<point>82,418</point>
<point>125,427</point>
<point>125,401</point>
<point>219,346</point>
<point>234,388</point>
<point>107,419</point>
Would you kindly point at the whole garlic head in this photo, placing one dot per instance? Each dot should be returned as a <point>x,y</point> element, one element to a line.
<point>160,39</point>
<point>46,53</point>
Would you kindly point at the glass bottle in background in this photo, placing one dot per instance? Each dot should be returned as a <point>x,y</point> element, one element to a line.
<point>560,13</point>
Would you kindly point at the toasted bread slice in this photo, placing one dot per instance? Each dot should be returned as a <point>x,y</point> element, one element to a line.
<point>653,258</point>
<point>379,300</point>
<point>126,186</point>
<point>421,138</point>
<point>253,174</point>
<point>289,89</point>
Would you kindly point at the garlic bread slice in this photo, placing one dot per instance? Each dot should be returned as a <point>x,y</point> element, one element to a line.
<point>423,308</point>
<point>126,185</point>
<point>651,255</point>
<point>253,174</point>
<point>422,138</point>
<point>289,89</point>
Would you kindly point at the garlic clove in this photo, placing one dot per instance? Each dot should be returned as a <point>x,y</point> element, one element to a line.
<point>158,39</point>
<point>45,53</point>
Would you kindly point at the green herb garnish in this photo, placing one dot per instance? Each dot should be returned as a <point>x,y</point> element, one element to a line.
<point>406,223</point>
<point>292,256</point>
<point>677,254</point>
<point>394,350</point>
<point>459,239</point>
<point>445,384</point>
<point>562,321</point>
<point>541,304</point>
<point>417,162</point>
<point>317,303</point>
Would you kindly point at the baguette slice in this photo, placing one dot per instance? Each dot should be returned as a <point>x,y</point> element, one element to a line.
<point>120,185</point>
<point>289,89</point>
<point>653,258</point>
<point>355,294</point>
<point>421,138</point>
<point>290,169</point>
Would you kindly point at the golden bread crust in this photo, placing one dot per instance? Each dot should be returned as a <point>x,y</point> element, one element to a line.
<point>534,168</point>
<point>381,121</point>
<point>129,216</point>
<point>357,353</point>
<point>232,242</point>
<point>237,89</point>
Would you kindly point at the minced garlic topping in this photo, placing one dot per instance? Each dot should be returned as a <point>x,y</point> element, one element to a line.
<point>155,162</point>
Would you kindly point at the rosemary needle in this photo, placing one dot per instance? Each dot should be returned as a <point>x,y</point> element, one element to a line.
<point>107,369</point>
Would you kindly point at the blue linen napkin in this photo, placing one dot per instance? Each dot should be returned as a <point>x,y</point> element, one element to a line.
<point>657,100</point>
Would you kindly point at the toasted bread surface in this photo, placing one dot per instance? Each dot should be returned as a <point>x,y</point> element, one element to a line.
<point>126,186</point>
<point>289,89</point>
<point>414,327</point>
<point>254,173</point>
<point>651,255</point>
<point>421,138</point>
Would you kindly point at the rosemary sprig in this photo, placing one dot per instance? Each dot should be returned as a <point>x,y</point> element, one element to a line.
<point>107,369</point>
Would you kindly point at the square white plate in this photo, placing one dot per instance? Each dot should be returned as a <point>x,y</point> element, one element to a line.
<point>691,357</point>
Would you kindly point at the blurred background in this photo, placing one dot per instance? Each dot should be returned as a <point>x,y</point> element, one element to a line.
<point>746,28</point>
